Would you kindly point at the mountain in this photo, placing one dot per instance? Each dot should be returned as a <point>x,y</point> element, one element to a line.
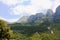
<point>23,19</point>
<point>49,15</point>
<point>34,18</point>
<point>57,15</point>
<point>31,19</point>
<point>39,16</point>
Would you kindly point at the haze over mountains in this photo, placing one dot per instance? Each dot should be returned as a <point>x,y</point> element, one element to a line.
<point>41,16</point>
<point>22,19</point>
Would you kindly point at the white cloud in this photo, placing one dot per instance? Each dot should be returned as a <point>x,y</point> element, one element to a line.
<point>9,2</point>
<point>18,10</point>
<point>41,3</point>
<point>12,20</point>
<point>9,20</point>
<point>2,18</point>
<point>33,8</point>
<point>55,4</point>
<point>30,9</point>
<point>12,2</point>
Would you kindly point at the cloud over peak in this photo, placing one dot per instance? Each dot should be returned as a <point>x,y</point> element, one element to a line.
<point>33,6</point>
<point>29,7</point>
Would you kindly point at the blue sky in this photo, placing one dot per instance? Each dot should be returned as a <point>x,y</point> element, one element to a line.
<point>12,10</point>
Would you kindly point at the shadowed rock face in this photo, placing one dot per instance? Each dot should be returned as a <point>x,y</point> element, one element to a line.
<point>57,15</point>
<point>58,10</point>
<point>36,17</point>
<point>39,16</point>
<point>31,19</point>
<point>49,15</point>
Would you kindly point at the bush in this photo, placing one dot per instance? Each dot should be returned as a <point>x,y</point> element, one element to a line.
<point>5,32</point>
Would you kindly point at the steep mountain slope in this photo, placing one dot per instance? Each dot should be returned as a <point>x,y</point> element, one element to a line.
<point>36,17</point>
<point>22,19</point>
<point>57,15</point>
<point>49,15</point>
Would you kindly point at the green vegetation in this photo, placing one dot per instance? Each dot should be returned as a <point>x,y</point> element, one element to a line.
<point>5,32</point>
<point>26,31</point>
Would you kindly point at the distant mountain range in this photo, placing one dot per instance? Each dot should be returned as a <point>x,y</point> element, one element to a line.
<point>50,16</point>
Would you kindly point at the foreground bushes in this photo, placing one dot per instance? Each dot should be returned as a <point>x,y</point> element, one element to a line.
<point>36,36</point>
<point>5,32</point>
<point>29,34</point>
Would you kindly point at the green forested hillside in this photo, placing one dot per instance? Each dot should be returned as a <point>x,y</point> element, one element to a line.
<point>42,31</point>
<point>29,31</point>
